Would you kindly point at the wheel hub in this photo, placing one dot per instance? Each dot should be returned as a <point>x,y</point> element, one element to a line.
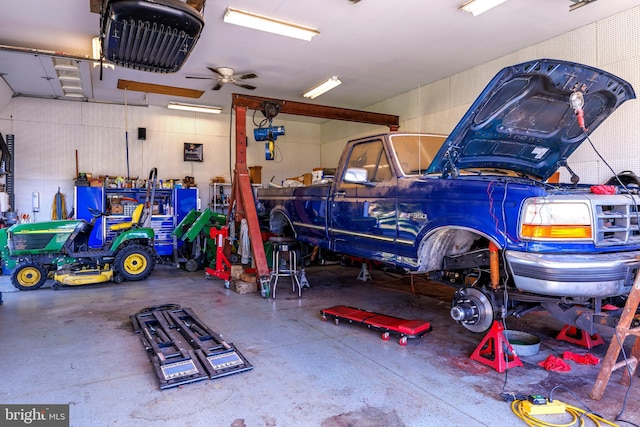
<point>135,263</point>
<point>472,309</point>
<point>29,277</point>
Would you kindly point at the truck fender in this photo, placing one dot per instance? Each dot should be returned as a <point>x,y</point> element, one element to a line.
<point>447,241</point>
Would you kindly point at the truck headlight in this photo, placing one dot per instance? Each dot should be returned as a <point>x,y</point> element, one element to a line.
<point>545,220</point>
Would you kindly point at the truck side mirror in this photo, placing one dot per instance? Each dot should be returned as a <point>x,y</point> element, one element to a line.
<point>356,176</point>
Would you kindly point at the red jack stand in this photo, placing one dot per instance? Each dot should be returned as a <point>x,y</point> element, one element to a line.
<point>579,337</point>
<point>495,350</point>
<point>223,266</point>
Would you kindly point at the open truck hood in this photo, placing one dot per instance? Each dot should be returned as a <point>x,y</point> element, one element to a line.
<point>523,120</point>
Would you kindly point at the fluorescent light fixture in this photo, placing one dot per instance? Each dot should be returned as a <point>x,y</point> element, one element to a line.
<point>271,25</point>
<point>579,3</point>
<point>476,7</point>
<point>323,87</point>
<point>96,53</point>
<point>193,107</point>
<point>96,48</point>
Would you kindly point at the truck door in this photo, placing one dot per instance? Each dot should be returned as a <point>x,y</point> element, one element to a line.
<point>363,205</point>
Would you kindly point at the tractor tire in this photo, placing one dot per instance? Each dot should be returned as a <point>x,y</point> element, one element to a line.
<point>192,265</point>
<point>133,262</point>
<point>28,276</point>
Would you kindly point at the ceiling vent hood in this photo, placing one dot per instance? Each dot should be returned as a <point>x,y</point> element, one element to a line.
<point>150,35</point>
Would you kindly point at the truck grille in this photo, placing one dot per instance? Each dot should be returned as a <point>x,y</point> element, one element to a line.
<point>617,224</point>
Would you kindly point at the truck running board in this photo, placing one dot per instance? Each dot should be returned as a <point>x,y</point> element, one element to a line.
<point>183,349</point>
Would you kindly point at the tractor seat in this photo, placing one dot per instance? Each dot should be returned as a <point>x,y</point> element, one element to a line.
<point>135,220</point>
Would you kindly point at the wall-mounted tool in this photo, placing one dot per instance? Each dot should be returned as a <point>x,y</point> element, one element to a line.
<point>35,201</point>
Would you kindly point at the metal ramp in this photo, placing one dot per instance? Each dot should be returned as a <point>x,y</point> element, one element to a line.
<point>218,357</point>
<point>183,349</point>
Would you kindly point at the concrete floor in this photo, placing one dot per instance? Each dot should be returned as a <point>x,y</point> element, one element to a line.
<point>76,346</point>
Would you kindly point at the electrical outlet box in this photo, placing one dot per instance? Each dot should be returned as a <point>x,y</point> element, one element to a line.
<point>537,399</point>
<point>550,408</point>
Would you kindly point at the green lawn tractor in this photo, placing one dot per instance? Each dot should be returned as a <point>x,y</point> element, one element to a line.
<point>60,249</point>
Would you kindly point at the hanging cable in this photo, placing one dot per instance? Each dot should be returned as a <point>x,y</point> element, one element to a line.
<point>126,132</point>
<point>630,372</point>
<point>231,144</point>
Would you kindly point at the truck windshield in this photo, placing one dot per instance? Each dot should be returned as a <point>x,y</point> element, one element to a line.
<point>416,152</point>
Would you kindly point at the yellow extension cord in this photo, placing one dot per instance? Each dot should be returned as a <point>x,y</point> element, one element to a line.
<point>576,413</point>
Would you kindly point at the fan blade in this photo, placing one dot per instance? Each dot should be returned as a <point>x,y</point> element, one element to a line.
<point>246,86</point>
<point>215,70</point>
<point>217,86</point>
<point>247,76</point>
<point>202,78</point>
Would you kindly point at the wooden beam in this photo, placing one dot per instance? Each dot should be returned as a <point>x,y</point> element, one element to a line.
<point>196,4</point>
<point>319,111</point>
<point>95,6</point>
<point>161,89</point>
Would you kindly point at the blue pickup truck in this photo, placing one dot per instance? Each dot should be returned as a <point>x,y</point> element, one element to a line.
<point>476,208</point>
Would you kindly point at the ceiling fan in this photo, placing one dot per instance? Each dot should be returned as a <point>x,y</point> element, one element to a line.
<point>227,75</point>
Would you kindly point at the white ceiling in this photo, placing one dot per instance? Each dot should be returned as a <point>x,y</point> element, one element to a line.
<point>378,48</point>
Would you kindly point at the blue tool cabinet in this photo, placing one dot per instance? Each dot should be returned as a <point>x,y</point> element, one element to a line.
<point>170,207</point>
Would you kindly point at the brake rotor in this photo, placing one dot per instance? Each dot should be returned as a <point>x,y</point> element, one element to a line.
<point>472,309</point>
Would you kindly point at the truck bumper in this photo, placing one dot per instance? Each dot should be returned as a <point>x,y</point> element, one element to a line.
<point>595,275</point>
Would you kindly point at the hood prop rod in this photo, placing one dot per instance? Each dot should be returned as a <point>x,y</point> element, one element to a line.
<point>574,177</point>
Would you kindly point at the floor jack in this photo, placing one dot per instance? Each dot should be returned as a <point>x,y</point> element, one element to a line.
<point>380,322</point>
<point>223,266</point>
<point>183,349</point>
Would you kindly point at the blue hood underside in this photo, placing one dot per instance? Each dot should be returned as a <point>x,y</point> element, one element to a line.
<point>523,121</point>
